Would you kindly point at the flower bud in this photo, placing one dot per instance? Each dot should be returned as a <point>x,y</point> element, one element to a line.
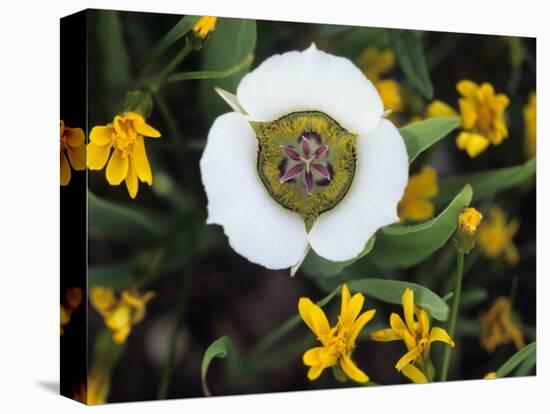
<point>468,222</point>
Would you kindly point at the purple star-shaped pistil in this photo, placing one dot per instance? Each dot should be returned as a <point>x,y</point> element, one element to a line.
<point>305,159</point>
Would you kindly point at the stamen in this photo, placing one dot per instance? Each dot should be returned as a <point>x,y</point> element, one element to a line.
<point>306,147</point>
<point>292,173</point>
<point>290,153</point>
<point>321,151</point>
<point>309,182</point>
<point>321,169</point>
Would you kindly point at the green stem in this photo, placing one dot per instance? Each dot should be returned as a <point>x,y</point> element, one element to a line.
<point>158,81</point>
<point>182,54</point>
<point>170,356</point>
<point>454,313</point>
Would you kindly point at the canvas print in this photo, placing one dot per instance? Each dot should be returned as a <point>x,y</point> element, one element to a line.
<point>253,206</point>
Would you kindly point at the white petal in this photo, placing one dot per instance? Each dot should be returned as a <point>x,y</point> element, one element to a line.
<point>371,202</point>
<point>257,227</point>
<point>311,80</point>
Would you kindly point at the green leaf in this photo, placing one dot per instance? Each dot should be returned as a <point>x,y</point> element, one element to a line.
<point>179,30</point>
<point>318,266</point>
<point>408,245</point>
<point>230,44</point>
<point>220,348</point>
<point>391,291</point>
<point>517,359</point>
<point>526,367</point>
<point>486,183</point>
<point>113,49</point>
<point>121,222</point>
<point>410,55</point>
<point>421,135</point>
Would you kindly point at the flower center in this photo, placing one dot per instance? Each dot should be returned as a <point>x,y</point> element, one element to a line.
<point>125,137</point>
<point>306,161</point>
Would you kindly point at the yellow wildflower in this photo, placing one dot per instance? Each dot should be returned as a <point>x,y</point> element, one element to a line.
<point>119,314</point>
<point>416,204</point>
<point>482,114</point>
<point>490,375</point>
<point>416,334</point>
<point>495,236</point>
<point>337,342</point>
<point>376,63</point>
<point>468,223</point>
<point>73,299</point>
<point>204,26</point>
<point>129,159</point>
<point>530,119</point>
<point>71,143</point>
<point>498,328</point>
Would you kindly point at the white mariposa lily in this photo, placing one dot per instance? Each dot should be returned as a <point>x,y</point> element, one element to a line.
<point>305,160</point>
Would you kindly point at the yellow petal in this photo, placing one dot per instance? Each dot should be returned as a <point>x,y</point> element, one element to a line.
<point>408,307</point>
<point>416,210</point>
<point>311,356</point>
<point>397,323</point>
<point>467,88</point>
<point>474,144</point>
<point>98,155</point>
<point>439,108</point>
<point>102,135</point>
<point>407,358</point>
<point>346,295</point>
<point>314,372</point>
<point>140,126</point>
<point>65,170</point>
<point>77,156</point>
<point>132,180</point>
<point>468,113</point>
<point>424,323</point>
<point>354,307</point>
<point>359,324</point>
<point>141,163</point>
<point>352,371</point>
<point>102,299</point>
<point>120,335</point>
<point>410,341</point>
<point>119,318</point>
<point>314,317</point>
<point>441,335</point>
<point>414,374</point>
<point>117,169</point>
<point>75,137</point>
<point>389,92</point>
<point>490,375</point>
<point>385,335</point>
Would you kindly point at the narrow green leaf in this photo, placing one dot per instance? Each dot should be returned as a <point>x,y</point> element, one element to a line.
<point>318,266</point>
<point>123,222</point>
<point>486,183</point>
<point>526,367</point>
<point>391,291</point>
<point>408,245</point>
<point>516,359</point>
<point>230,44</point>
<point>421,135</point>
<point>179,30</point>
<point>113,49</point>
<point>410,55</point>
<point>220,348</point>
